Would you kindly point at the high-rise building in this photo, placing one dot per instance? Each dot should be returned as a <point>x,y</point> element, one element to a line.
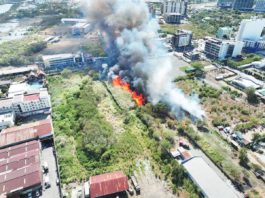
<point>251,29</point>
<point>260,6</point>
<point>225,3</point>
<point>175,6</point>
<point>244,5</point>
<point>182,39</point>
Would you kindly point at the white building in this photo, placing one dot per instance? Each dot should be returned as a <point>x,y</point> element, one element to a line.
<point>72,21</point>
<point>27,104</point>
<point>7,120</point>
<point>222,49</point>
<point>251,29</point>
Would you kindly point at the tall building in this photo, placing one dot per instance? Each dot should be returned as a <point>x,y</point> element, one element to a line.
<point>225,3</point>
<point>260,6</point>
<point>244,5</point>
<point>251,29</point>
<point>181,40</point>
<point>218,49</point>
<point>175,6</point>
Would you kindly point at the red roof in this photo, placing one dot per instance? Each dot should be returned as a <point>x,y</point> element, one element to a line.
<point>20,167</point>
<point>107,184</point>
<point>26,132</point>
<point>31,97</point>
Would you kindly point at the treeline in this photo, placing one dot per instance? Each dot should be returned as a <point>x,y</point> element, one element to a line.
<point>19,52</point>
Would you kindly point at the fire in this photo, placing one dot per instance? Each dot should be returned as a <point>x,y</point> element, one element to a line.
<point>138,98</point>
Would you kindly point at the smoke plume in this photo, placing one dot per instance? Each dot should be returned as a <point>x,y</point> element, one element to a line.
<point>138,57</point>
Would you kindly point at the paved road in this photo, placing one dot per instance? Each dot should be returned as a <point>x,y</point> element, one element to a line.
<point>53,191</point>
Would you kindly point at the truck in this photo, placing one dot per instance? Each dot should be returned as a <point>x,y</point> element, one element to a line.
<point>86,189</point>
<point>45,167</point>
<point>135,184</point>
<point>47,182</point>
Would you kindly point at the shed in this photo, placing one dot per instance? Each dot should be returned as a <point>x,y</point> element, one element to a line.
<point>108,184</point>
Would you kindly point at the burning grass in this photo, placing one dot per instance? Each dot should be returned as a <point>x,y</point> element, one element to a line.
<point>138,98</point>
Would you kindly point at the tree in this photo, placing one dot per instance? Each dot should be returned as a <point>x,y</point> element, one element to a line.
<point>256,137</point>
<point>243,157</point>
<point>252,98</point>
<point>66,73</point>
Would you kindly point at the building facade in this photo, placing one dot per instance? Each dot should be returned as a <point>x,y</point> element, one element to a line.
<point>244,5</point>
<point>218,49</point>
<point>260,6</point>
<point>7,120</point>
<point>181,40</point>
<point>62,60</point>
<point>174,18</point>
<point>175,6</point>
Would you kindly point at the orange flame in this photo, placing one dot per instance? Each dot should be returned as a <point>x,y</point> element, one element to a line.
<point>118,82</point>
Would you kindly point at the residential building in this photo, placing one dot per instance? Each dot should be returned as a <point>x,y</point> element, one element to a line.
<point>244,5</point>
<point>40,130</point>
<point>21,88</point>
<point>108,184</point>
<point>181,40</point>
<point>219,49</point>
<point>27,104</point>
<point>225,3</point>
<point>260,6</point>
<point>174,18</point>
<point>208,181</point>
<point>251,29</point>
<point>62,60</point>
<point>7,120</point>
<point>20,170</point>
<point>224,33</point>
<point>175,6</point>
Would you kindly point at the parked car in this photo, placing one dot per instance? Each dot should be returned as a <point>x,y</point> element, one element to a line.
<point>184,145</point>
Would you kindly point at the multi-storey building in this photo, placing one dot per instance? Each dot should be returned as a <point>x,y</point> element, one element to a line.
<point>62,60</point>
<point>27,104</point>
<point>7,120</point>
<point>181,40</point>
<point>175,6</point>
<point>218,49</point>
<point>260,6</point>
<point>245,5</point>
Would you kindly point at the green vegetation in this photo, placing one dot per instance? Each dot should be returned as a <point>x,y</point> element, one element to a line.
<point>243,157</point>
<point>249,58</point>
<point>94,48</point>
<point>252,98</point>
<point>209,21</point>
<point>20,52</point>
<point>171,29</point>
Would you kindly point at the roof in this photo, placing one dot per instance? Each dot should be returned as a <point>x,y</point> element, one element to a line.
<point>108,183</point>
<point>57,57</point>
<point>207,179</point>
<point>31,97</point>
<point>17,70</point>
<point>26,132</point>
<point>20,167</point>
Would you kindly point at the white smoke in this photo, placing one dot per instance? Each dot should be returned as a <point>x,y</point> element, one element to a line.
<point>132,37</point>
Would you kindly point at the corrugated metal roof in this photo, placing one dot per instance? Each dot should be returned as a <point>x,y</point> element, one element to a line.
<point>107,184</point>
<point>26,132</point>
<point>20,167</point>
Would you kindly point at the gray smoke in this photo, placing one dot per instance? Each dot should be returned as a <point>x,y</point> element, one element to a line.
<point>131,37</point>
